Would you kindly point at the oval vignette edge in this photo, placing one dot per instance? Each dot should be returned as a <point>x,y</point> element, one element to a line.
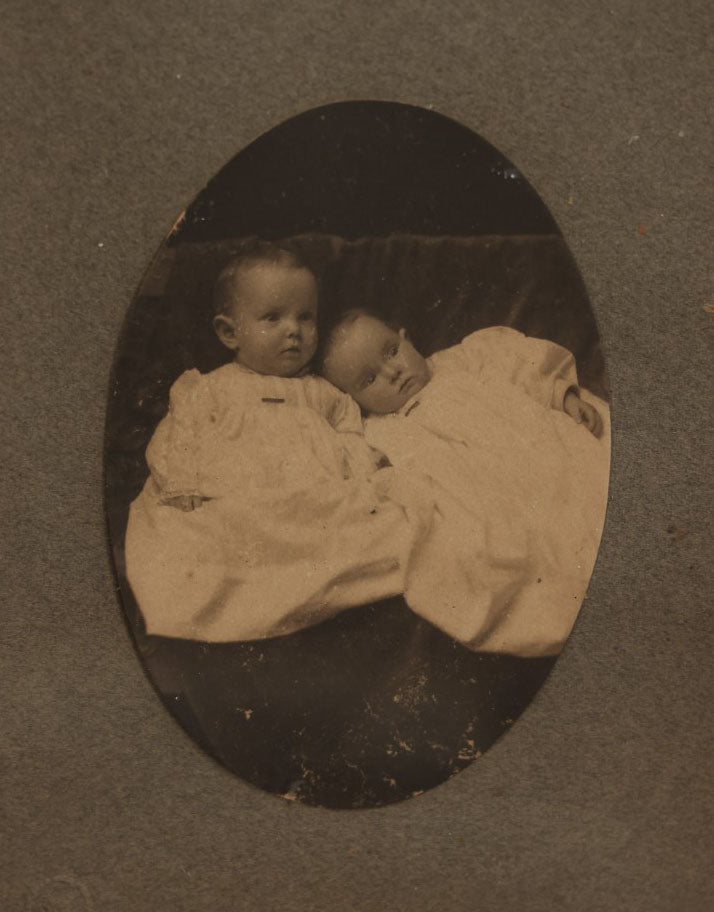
<point>410,214</point>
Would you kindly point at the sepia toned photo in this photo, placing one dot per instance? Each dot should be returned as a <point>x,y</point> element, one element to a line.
<point>357,455</point>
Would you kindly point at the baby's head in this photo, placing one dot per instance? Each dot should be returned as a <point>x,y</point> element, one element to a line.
<point>373,361</point>
<point>265,303</point>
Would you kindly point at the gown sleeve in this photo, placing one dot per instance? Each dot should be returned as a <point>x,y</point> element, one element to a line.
<point>173,454</point>
<point>346,418</point>
<point>544,370</point>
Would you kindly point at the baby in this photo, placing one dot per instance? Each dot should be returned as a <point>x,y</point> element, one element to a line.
<point>518,458</point>
<point>260,514</point>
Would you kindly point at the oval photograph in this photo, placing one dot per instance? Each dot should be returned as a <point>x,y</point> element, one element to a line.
<point>357,455</point>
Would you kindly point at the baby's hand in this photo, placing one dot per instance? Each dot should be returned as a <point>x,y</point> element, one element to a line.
<point>185,502</point>
<point>583,413</point>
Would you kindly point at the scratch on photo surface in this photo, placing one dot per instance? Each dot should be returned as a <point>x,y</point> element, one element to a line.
<point>178,224</point>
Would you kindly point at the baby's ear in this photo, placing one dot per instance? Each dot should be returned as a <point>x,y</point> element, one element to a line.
<point>403,333</point>
<point>226,331</point>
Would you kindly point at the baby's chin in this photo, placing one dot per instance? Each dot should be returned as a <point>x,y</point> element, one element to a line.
<point>296,364</point>
<point>397,402</point>
<point>286,366</point>
<point>413,386</point>
<point>298,370</point>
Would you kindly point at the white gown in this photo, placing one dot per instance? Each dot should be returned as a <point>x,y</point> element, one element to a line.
<point>521,490</point>
<point>298,525</point>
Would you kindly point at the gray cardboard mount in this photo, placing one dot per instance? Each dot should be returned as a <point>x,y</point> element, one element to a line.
<point>113,117</point>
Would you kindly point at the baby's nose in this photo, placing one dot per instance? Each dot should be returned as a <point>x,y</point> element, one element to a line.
<point>293,328</point>
<point>392,372</point>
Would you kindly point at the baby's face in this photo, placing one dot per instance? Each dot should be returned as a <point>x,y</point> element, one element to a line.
<point>272,323</point>
<point>376,365</point>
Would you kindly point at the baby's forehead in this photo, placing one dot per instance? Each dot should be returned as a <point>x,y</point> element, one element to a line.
<point>262,282</point>
<point>364,334</point>
<point>357,344</point>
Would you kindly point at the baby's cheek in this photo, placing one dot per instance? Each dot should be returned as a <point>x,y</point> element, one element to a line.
<point>361,399</point>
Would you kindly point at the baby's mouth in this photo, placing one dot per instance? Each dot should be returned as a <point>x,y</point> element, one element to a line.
<point>405,384</point>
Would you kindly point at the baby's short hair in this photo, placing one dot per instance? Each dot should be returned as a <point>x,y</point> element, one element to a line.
<point>247,253</point>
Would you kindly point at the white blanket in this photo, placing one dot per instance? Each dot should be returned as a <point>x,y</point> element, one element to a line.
<point>521,491</point>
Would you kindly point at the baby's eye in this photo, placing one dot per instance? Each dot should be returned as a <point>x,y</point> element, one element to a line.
<point>368,381</point>
<point>307,317</point>
<point>272,317</point>
<point>393,350</point>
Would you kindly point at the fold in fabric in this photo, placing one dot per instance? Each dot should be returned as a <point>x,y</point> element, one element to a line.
<point>520,491</point>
